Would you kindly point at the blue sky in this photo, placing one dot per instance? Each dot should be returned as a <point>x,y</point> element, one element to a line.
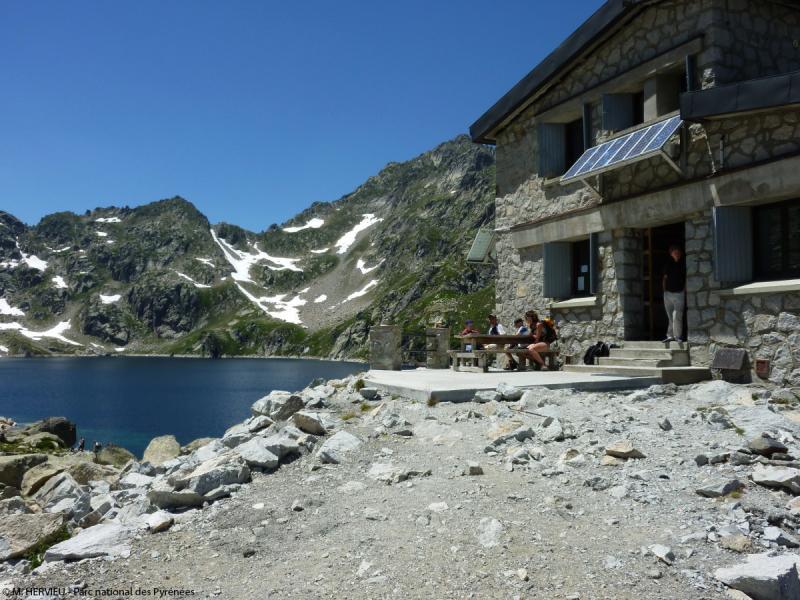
<point>250,109</point>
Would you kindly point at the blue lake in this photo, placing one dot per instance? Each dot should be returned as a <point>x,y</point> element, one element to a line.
<point>129,401</point>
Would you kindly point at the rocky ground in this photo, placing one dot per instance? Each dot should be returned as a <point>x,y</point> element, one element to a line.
<point>337,492</point>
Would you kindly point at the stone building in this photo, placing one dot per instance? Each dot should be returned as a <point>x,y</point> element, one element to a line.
<point>658,122</point>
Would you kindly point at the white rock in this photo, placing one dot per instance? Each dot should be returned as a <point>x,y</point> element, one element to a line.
<point>764,577</point>
<point>108,539</point>
<point>310,422</point>
<point>662,553</point>
<point>256,453</point>
<point>159,521</point>
<point>438,507</point>
<point>490,532</point>
<point>777,477</point>
<point>337,446</point>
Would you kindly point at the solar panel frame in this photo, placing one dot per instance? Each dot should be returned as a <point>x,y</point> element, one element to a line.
<point>481,247</point>
<point>641,144</point>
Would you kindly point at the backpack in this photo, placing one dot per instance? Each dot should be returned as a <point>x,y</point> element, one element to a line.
<point>550,334</point>
<point>595,351</point>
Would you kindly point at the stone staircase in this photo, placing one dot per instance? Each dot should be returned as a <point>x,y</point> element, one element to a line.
<point>668,361</point>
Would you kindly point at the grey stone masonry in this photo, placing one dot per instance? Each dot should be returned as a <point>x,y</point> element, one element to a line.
<point>385,347</point>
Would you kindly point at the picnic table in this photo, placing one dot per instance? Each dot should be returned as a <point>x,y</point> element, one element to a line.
<point>474,354</point>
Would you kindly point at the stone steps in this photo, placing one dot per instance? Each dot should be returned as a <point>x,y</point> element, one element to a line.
<point>666,354</point>
<point>656,345</point>
<point>677,375</point>
<point>613,361</point>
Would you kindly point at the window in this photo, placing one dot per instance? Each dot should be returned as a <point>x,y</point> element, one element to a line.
<point>580,269</point>
<point>560,145</point>
<point>570,268</point>
<point>776,236</point>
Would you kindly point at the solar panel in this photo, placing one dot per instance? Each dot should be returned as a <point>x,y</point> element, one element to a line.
<point>481,246</point>
<point>631,147</point>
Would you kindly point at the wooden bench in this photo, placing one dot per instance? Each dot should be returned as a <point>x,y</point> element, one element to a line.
<point>477,361</point>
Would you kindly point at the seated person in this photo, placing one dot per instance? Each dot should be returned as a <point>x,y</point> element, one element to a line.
<point>468,328</point>
<point>544,334</point>
<point>520,329</point>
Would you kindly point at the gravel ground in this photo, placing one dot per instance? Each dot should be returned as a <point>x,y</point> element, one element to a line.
<point>557,524</point>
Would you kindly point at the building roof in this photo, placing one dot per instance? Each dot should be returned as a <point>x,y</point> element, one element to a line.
<point>745,96</point>
<point>482,130</point>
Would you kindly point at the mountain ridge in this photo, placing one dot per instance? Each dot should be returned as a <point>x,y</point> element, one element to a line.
<point>160,278</point>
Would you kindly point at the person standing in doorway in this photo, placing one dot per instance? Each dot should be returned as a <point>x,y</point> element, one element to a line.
<point>674,285</point>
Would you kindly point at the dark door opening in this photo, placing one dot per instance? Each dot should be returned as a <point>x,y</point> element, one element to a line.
<point>656,243</point>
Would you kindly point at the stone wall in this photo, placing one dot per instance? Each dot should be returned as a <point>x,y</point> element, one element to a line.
<point>766,325</point>
<point>754,38</point>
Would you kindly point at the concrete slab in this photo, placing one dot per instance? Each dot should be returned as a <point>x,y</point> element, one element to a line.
<point>447,385</point>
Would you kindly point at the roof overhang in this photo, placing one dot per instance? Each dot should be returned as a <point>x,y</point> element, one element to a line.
<point>483,131</point>
<point>754,95</point>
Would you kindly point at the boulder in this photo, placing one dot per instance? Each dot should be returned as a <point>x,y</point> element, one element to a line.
<point>777,477</point>
<point>764,577</point>
<point>220,471</point>
<point>780,537</point>
<point>114,455</point>
<point>159,521</point>
<point>623,449</point>
<point>163,495</point>
<point>490,532</point>
<point>41,440</point>
<point>21,533</point>
<point>720,487</point>
<point>36,477</point>
<point>62,494</point>
<point>368,393</point>
<point>281,445</point>
<point>277,405</point>
<point>134,480</point>
<point>238,434</point>
<point>765,446</point>
<point>161,449</point>
<point>334,449</point>
<point>14,506</point>
<point>484,396</point>
<point>256,453</point>
<point>310,422</point>
<point>84,472</point>
<point>13,468</point>
<point>110,540</point>
<point>196,444</point>
<point>100,507</point>
<point>509,392</point>
<point>61,427</point>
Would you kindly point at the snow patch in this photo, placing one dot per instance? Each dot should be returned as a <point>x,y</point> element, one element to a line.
<point>362,266</point>
<point>319,299</point>
<point>277,306</point>
<point>362,291</point>
<point>101,233</point>
<point>242,261</point>
<point>206,261</point>
<point>3,349</point>
<point>312,224</point>
<point>60,250</point>
<point>7,309</point>
<point>55,332</point>
<point>110,299</point>
<point>349,238</point>
<point>59,282</point>
<point>197,284</point>
<point>108,220</point>
<point>320,251</point>
<point>119,349</point>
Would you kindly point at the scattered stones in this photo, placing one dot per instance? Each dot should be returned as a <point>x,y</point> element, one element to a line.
<point>764,577</point>
<point>719,487</point>
<point>623,449</point>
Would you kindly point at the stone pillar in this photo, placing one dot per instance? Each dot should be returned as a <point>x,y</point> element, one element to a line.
<point>384,347</point>
<point>437,343</point>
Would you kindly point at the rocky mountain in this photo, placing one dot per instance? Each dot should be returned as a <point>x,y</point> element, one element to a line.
<point>161,279</point>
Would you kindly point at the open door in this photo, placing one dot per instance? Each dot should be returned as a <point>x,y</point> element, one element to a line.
<point>656,243</point>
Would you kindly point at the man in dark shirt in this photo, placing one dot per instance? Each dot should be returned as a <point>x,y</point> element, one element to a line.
<point>673,282</point>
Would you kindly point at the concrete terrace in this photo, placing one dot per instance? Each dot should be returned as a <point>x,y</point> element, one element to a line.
<point>447,385</point>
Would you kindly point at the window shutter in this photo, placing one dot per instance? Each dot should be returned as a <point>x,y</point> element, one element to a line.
<point>594,263</point>
<point>733,244</point>
<point>618,112</point>
<point>557,270</point>
<point>552,149</point>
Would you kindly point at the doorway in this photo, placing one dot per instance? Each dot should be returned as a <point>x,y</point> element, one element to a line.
<point>656,243</point>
